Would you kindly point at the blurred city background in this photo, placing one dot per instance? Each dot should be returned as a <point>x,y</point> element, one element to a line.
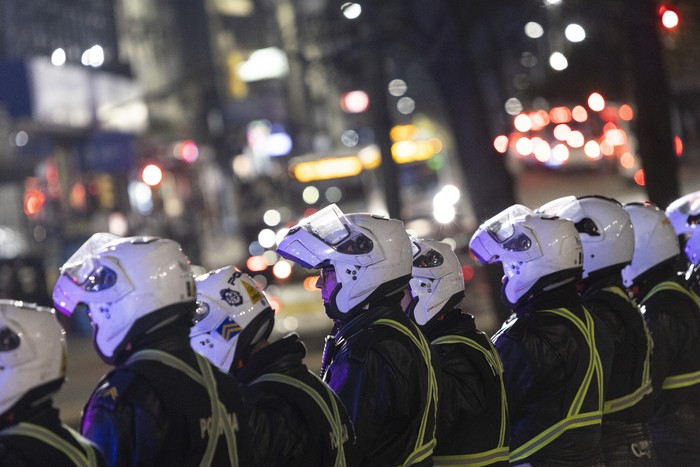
<point>221,123</point>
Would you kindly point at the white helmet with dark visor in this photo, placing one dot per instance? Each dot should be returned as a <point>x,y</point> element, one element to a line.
<point>366,251</point>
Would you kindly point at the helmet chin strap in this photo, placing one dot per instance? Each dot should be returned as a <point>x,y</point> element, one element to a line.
<point>411,308</point>
<point>331,307</point>
<point>332,310</point>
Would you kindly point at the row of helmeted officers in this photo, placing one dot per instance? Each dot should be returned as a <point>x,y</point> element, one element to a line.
<point>599,364</point>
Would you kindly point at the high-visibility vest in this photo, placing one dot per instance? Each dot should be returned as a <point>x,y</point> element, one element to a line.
<point>330,411</point>
<point>425,441</point>
<point>220,420</point>
<point>88,458</point>
<point>500,452</point>
<point>645,387</point>
<point>574,417</point>
<point>682,380</point>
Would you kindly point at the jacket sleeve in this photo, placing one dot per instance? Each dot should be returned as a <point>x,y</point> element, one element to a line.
<point>379,392</point>
<point>517,371</point>
<point>672,335</point>
<point>126,420</point>
<point>279,432</point>
<point>462,384</point>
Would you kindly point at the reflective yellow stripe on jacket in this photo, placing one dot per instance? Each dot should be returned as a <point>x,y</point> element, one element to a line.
<point>332,413</point>
<point>425,442</point>
<point>80,459</point>
<point>573,419</point>
<point>500,452</point>
<point>629,400</point>
<point>685,379</point>
<point>218,410</point>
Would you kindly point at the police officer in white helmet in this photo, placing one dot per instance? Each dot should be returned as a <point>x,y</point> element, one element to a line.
<point>552,369</point>
<point>162,404</point>
<point>607,237</point>
<point>672,314</point>
<point>472,424</point>
<point>295,418</point>
<point>376,359</point>
<point>32,370</point>
<point>684,214</point>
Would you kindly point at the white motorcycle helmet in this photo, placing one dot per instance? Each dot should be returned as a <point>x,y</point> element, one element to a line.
<point>605,228</point>
<point>437,282</point>
<point>684,214</point>
<point>32,353</point>
<point>233,314</point>
<point>371,255</point>
<point>655,241</point>
<point>536,251</point>
<point>127,286</point>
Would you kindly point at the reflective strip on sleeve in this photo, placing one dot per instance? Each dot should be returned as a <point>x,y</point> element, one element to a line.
<point>206,379</point>
<point>425,442</point>
<point>681,381</point>
<point>52,439</point>
<point>332,414</point>
<point>553,432</point>
<point>624,402</point>
<point>670,285</point>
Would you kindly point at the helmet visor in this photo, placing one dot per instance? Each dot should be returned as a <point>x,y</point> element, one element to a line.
<point>684,213</point>
<point>82,266</point>
<point>499,234</point>
<point>688,204</point>
<point>329,225</point>
<point>501,227</point>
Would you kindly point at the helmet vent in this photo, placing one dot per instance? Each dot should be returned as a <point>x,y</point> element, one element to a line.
<point>359,245</point>
<point>9,340</point>
<point>431,259</point>
<point>519,242</point>
<point>587,226</point>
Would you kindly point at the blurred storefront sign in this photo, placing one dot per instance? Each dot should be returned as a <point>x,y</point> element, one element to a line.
<point>71,96</point>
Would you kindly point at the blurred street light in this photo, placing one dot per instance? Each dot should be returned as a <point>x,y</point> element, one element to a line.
<point>669,17</point>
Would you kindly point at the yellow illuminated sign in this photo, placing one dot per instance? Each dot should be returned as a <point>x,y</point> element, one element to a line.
<point>405,152</point>
<point>328,168</point>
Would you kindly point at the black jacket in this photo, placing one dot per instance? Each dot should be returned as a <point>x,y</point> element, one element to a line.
<point>472,410</point>
<point>628,402</point>
<point>386,382</point>
<point>546,359</point>
<point>673,318</point>
<point>25,451</point>
<point>148,413</point>
<point>288,427</point>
